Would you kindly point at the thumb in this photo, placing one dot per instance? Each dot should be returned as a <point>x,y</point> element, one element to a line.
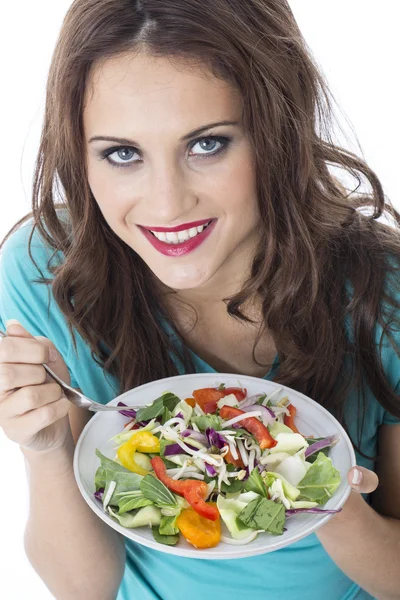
<point>362,480</point>
<point>15,329</point>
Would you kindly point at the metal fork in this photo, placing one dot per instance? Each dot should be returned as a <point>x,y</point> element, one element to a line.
<point>76,397</point>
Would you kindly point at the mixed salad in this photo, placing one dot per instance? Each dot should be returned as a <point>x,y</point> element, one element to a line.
<point>185,466</point>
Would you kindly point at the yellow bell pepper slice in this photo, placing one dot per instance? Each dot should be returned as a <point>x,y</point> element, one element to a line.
<point>141,441</point>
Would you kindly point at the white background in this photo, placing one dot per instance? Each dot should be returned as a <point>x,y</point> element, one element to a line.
<point>354,41</point>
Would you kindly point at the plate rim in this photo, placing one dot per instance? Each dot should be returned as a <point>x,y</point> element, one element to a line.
<point>211,553</point>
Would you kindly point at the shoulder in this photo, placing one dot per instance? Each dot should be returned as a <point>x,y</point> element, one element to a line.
<point>27,249</point>
<point>24,262</point>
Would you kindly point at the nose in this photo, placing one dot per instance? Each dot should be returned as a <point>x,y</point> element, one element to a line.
<point>170,196</point>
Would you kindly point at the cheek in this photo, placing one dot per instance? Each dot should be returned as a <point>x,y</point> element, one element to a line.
<point>237,189</point>
<point>112,193</point>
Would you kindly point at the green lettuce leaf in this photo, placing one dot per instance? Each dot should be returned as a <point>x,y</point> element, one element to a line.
<point>203,422</point>
<point>320,482</point>
<point>168,525</point>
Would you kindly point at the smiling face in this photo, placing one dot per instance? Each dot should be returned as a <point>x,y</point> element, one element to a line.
<point>159,158</point>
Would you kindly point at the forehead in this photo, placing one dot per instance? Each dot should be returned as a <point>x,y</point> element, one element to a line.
<point>142,88</point>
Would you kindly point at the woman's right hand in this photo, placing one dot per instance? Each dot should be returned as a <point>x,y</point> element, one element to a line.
<point>33,409</point>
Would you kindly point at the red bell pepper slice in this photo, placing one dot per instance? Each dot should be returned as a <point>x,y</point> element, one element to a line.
<point>289,419</point>
<point>253,425</point>
<point>238,392</point>
<point>192,490</point>
<point>207,398</point>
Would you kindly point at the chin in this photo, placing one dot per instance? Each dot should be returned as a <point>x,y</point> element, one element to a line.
<point>184,278</point>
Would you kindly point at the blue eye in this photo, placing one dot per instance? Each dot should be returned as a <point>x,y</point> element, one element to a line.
<point>211,145</point>
<point>121,156</point>
<point>127,156</point>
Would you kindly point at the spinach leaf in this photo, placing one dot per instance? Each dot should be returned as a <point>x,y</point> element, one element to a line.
<point>255,483</point>
<point>153,489</point>
<point>237,485</point>
<point>156,409</point>
<point>150,412</point>
<point>169,540</point>
<point>264,514</point>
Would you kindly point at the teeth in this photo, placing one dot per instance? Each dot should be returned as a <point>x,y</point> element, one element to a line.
<point>180,236</point>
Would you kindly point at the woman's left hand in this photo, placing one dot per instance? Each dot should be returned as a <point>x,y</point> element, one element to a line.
<point>361,481</point>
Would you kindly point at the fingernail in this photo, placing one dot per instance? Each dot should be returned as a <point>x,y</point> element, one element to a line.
<point>12,322</point>
<point>357,477</point>
<point>53,355</point>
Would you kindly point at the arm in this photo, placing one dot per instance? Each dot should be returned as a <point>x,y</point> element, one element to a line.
<point>365,543</point>
<point>77,555</point>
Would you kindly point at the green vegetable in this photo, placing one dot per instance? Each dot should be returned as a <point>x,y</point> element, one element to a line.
<point>143,461</point>
<point>264,514</point>
<point>169,540</point>
<point>320,481</point>
<point>230,508</point>
<point>166,416</point>
<point>185,409</point>
<point>256,484</point>
<point>311,459</point>
<point>289,490</point>
<point>168,526</point>
<point>289,442</point>
<point>153,489</point>
<point>207,421</point>
<point>261,399</point>
<point>149,515</point>
<point>132,503</point>
<point>170,400</point>
<point>236,485</point>
<point>156,409</point>
<point>106,463</point>
<point>278,427</point>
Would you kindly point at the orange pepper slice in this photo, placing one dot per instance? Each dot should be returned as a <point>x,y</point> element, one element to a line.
<point>237,462</point>
<point>198,531</point>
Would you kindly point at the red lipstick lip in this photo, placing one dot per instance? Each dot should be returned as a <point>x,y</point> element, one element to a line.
<point>183,248</point>
<point>177,228</point>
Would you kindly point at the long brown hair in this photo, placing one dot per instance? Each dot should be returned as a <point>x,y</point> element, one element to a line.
<point>321,263</point>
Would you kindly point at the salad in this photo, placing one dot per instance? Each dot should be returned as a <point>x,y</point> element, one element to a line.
<point>220,466</point>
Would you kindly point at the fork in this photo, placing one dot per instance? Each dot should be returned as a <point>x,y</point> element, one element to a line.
<point>76,397</point>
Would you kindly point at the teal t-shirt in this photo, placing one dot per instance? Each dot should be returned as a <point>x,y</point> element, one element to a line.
<point>302,571</point>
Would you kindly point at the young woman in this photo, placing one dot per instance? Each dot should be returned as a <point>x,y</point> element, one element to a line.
<point>185,219</point>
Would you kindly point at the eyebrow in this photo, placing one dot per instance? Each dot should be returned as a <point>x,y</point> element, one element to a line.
<point>196,132</point>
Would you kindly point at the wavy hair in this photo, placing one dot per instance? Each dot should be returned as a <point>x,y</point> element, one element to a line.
<point>321,265</point>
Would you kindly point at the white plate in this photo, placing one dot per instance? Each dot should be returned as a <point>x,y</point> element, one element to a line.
<point>311,419</point>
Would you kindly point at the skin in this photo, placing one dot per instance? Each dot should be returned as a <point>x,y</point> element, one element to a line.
<point>155,103</point>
